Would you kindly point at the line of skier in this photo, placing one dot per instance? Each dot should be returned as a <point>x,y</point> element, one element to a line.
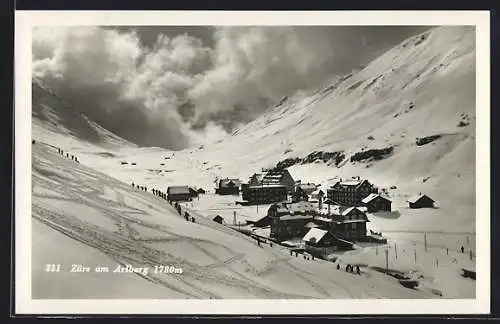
<point>159,193</point>
<point>73,157</point>
<point>350,268</point>
<point>155,192</point>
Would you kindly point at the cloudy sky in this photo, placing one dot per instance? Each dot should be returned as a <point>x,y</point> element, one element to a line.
<point>177,86</point>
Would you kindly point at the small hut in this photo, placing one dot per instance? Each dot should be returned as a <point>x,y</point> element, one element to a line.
<point>218,219</point>
<point>193,192</point>
<point>420,201</point>
<point>375,202</point>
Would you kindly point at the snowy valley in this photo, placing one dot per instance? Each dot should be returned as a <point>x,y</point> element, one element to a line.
<point>406,122</point>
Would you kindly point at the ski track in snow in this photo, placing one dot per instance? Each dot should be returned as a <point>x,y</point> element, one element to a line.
<point>124,243</point>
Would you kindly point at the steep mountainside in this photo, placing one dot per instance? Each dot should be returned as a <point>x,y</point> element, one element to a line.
<point>407,119</point>
<point>54,120</point>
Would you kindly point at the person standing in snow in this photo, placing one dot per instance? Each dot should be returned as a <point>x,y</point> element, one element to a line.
<point>462,249</point>
<point>338,266</point>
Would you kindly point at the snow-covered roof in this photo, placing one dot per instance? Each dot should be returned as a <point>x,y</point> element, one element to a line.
<point>372,196</point>
<point>257,176</point>
<point>300,207</point>
<point>267,185</point>
<point>350,183</point>
<point>311,225</point>
<point>415,198</point>
<point>291,217</point>
<point>177,190</point>
<point>226,182</point>
<point>334,210</point>
<point>369,198</point>
<point>317,192</point>
<point>307,186</point>
<point>315,233</point>
<point>348,210</point>
<point>352,221</point>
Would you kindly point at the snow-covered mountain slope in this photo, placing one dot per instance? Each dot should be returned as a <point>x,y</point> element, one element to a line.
<point>55,121</point>
<point>421,88</point>
<point>84,217</point>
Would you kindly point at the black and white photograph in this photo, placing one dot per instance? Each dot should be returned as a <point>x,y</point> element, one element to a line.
<point>278,162</point>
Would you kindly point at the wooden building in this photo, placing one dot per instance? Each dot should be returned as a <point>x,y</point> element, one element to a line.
<point>421,201</point>
<point>228,187</point>
<point>375,202</point>
<point>218,219</point>
<point>280,177</point>
<point>289,220</point>
<point>193,192</point>
<point>345,222</point>
<point>351,192</point>
<point>178,193</point>
<point>308,188</point>
<point>317,195</point>
<point>255,179</point>
<point>264,194</point>
<point>299,195</point>
<point>321,243</point>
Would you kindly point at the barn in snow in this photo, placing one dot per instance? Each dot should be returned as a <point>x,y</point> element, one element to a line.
<point>228,187</point>
<point>178,193</point>
<point>218,219</point>
<point>375,202</point>
<point>421,201</point>
<point>321,243</point>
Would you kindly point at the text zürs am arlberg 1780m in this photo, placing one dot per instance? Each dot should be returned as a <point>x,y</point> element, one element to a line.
<point>128,268</point>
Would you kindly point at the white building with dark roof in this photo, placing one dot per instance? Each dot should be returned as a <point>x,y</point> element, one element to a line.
<point>350,192</point>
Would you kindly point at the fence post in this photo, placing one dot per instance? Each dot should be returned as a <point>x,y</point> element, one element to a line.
<point>387,261</point>
<point>437,263</point>
<point>396,250</point>
<point>446,251</point>
<point>425,241</point>
<point>415,255</point>
<point>470,257</point>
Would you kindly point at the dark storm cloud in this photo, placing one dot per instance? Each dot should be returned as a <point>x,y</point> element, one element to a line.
<point>172,86</point>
